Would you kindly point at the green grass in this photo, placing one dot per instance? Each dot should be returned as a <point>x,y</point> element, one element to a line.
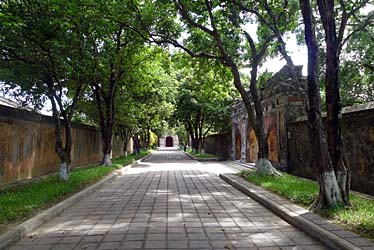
<point>200,155</point>
<point>20,202</point>
<point>123,161</point>
<point>359,218</point>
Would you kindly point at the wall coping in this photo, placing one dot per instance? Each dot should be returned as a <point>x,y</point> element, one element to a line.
<point>346,110</point>
<point>7,113</point>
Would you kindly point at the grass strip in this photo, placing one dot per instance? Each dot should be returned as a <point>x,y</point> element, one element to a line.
<point>21,202</point>
<point>359,218</point>
<point>200,155</point>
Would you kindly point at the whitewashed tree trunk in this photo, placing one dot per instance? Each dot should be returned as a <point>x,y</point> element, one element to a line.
<point>333,194</point>
<point>264,166</point>
<point>329,194</point>
<point>125,153</point>
<point>64,176</point>
<point>107,161</point>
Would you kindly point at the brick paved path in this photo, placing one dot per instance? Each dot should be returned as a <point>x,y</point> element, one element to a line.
<point>162,204</point>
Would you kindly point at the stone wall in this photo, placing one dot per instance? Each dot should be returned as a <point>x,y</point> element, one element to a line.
<point>358,133</point>
<point>218,144</point>
<point>282,101</point>
<point>27,145</point>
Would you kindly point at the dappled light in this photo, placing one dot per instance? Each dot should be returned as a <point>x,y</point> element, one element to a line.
<point>211,88</point>
<point>168,204</point>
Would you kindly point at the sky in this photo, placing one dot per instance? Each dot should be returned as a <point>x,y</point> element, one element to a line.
<point>297,52</point>
<point>299,55</point>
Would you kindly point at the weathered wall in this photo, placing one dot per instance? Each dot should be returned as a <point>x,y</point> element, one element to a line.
<point>358,132</point>
<point>282,101</point>
<point>218,144</point>
<point>27,145</point>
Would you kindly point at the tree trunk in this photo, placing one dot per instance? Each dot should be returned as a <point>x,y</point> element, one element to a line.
<point>106,117</point>
<point>59,148</point>
<point>195,144</point>
<point>136,144</point>
<point>148,138</point>
<point>333,102</point>
<point>263,164</point>
<point>68,142</point>
<point>107,134</point>
<point>256,118</point>
<point>124,148</point>
<point>329,192</point>
<point>107,147</point>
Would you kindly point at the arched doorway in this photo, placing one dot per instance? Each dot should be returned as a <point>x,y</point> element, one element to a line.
<point>252,150</point>
<point>273,146</point>
<point>169,141</point>
<point>238,147</point>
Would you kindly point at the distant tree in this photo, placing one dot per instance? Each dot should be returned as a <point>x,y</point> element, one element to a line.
<point>218,30</point>
<point>203,98</point>
<point>146,101</point>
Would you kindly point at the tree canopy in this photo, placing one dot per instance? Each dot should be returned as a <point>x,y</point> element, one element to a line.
<point>136,67</point>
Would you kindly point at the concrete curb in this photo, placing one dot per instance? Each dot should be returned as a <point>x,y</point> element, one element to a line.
<point>203,159</point>
<point>297,216</point>
<point>143,158</point>
<point>244,165</point>
<point>33,223</point>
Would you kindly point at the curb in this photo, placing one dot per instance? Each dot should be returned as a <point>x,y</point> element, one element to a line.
<point>298,217</point>
<point>189,155</point>
<point>33,223</point>
<point>142,159</point>
<point>202,159</point>
<point>244,165</point>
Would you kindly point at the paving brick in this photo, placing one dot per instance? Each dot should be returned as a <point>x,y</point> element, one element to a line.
<point>155,244</point>
<point>180,244</point>
<point>173,202</point>
<point>109,245</point>
<point>199,244</point>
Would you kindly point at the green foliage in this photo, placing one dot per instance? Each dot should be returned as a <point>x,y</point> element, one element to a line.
<point>357,68</point>
<point>153,140</point>
<point>359,218</point>
<point>24,201</point>
<point>204,95</point>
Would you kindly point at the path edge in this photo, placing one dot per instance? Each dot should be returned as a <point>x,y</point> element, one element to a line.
<point>17,233</point>
<point>220,159</point>
<point>324,236</point>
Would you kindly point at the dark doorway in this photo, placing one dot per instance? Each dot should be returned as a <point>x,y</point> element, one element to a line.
<point>169,141</point>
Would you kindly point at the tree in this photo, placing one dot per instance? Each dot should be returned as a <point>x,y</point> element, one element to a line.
<point>357,68</point>
<point>203,97</point>
<point>41,50</point>
<point>146,101</point>
<point>316,131</point>
<point>356,74</point>
<point>216,31</point>
<point>332,169</point>
<point>113,47</point>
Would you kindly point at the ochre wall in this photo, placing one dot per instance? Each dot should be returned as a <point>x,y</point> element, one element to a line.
<point>27,148</point>
<point>358,139</point>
